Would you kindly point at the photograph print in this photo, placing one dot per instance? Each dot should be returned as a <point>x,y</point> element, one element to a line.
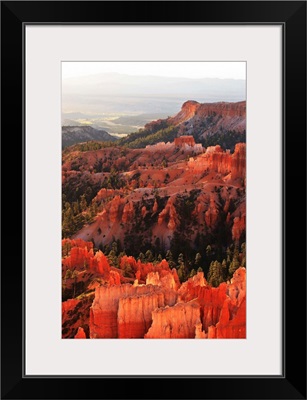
<point>153,200</point>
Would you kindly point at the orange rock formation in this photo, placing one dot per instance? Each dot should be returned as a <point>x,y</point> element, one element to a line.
<point>80,334</point>
<point>185,139</point>
<point>159,307</point>
<point>177,322</point>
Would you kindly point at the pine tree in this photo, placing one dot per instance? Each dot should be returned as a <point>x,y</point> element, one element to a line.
<point>68,274</point>
<point>141,257</point>
<point>66,249</point>
<point>76,208</point>
<point>169,256</point>
<point>180,260</point>
<point>83,203</point>
<point>215,274</point>
<point>114,247</point>
<point>197,259</point>
<point>229,256</point>
<point>149,256</point>
<point>192,273</point>
<point>181,273</point>
<point>208,251</point>
<point>93,209</point>
<point>113,258</point>
<point>169,259</point>
<point>234,265</point>
<point>68,223</point>
<point>236,251</point>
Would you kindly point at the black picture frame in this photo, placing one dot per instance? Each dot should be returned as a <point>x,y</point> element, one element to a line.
<point>292,16</point>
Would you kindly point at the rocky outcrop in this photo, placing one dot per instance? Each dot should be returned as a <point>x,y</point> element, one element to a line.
<point>69,305</point>
<point>239,226</point>
<point>103,312</point>
<point>143,269</point>
<point>212,213</point>
<point>238,162</point>
<point>228,116</point>
<point>114,278</point>
<point>100,264</point>
<point>177,322</point>
<point>153,278</point>
<point>232,321</point>
<point>168,281</point>
<point>184,140</point>
<point>80,334</point>
<point>232,114</point>
<point>117,308</point>
<point>75,316</point>
<point>237,288</point>
<point>234,328</point>
<point>125,311</point>
<point>67,244</point>
<point>188,110</point>
<point>135,312</point>
<point>105,194</point>
<point>164,278</point>
<point>80,258</point>
<point>128,263</point>
<point>223,108</point>
<point>223,162</point>
<point>128,213</point>
<point>190,289</point>
<point>210,299</point>
<point>223,309</point>
<point>143,211</point>
<point>155,206</point>
<point>199,333</point>
<point>114,209</point>
<point>76,254</point>
<point>169,215</point>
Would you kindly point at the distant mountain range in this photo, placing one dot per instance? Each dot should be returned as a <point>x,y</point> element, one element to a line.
<point>120,93</point>
<point>78,134</point>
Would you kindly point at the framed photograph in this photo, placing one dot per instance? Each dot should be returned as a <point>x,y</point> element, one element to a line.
<point>160,150</point>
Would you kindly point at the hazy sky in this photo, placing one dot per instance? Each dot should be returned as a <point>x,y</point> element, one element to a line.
<point>233,70</point>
